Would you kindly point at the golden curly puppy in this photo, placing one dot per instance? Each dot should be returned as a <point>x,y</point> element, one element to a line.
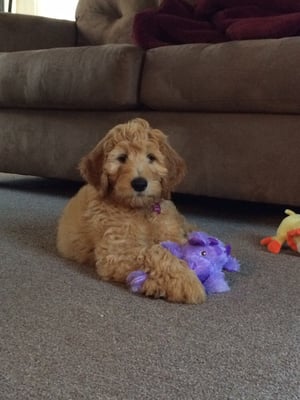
<point>118,219</point>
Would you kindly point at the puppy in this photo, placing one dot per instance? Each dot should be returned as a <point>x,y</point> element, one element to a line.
<point>118,219</point>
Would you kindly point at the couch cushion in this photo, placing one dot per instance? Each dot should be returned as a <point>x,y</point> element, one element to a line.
<point>241,76</point>
<point>100,77</point>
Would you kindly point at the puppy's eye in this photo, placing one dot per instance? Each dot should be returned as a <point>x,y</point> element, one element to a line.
<point>151,157</point>
<point>203,253</point>
<point>122,158</point>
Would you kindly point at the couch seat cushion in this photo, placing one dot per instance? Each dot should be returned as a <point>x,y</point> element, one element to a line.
<point>98,77</point>
<point>240,76</point>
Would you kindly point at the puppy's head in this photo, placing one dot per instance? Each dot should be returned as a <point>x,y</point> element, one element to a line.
<point>133,164</point>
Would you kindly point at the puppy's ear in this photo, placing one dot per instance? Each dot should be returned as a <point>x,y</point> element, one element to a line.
<point>176,169</point>
<point>174,163</point>
<point>91,169</point>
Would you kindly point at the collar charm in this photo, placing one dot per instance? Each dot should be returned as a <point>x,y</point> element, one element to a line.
<point>156,208</point>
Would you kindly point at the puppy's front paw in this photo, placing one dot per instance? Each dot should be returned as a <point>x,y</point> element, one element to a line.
<point>181,287</point>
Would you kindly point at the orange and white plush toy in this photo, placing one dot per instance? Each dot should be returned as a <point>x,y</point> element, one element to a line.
<point>288,231</point>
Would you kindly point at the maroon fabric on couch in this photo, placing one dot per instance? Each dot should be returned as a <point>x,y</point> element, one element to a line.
<point>213,21</point>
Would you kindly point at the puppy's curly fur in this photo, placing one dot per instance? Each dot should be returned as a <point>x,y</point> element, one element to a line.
<point>111,223</point>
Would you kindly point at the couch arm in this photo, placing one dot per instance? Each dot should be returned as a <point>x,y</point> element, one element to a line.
<point>27,32</point>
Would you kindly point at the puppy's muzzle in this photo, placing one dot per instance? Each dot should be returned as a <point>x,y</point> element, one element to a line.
<point>139,184</point>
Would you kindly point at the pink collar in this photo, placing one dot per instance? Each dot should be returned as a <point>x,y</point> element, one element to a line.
<point>156,208</point>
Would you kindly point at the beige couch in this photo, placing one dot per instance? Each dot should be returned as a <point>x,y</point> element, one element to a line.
<point>231,109</point>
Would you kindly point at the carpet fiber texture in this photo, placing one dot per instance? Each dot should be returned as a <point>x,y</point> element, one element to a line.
<point>65,335</point>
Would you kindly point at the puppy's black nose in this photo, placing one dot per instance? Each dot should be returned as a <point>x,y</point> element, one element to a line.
<point>139,184</point>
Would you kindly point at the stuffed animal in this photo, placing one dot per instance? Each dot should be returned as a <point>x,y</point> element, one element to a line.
<point>207,256</point>
<point>288,231</point>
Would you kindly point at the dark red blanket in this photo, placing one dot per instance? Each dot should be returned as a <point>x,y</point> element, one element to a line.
<point>213,21</point>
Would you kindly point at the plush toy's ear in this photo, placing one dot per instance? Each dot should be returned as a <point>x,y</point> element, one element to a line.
<point>228,249</point>
<point>91,169</point>
<point>174,163</point>
<point>197,238</point>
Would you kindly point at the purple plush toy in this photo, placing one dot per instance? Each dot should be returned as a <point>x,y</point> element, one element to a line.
<point>207,256</point>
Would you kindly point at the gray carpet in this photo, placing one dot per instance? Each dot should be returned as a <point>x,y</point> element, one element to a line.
<point>65,335</point>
